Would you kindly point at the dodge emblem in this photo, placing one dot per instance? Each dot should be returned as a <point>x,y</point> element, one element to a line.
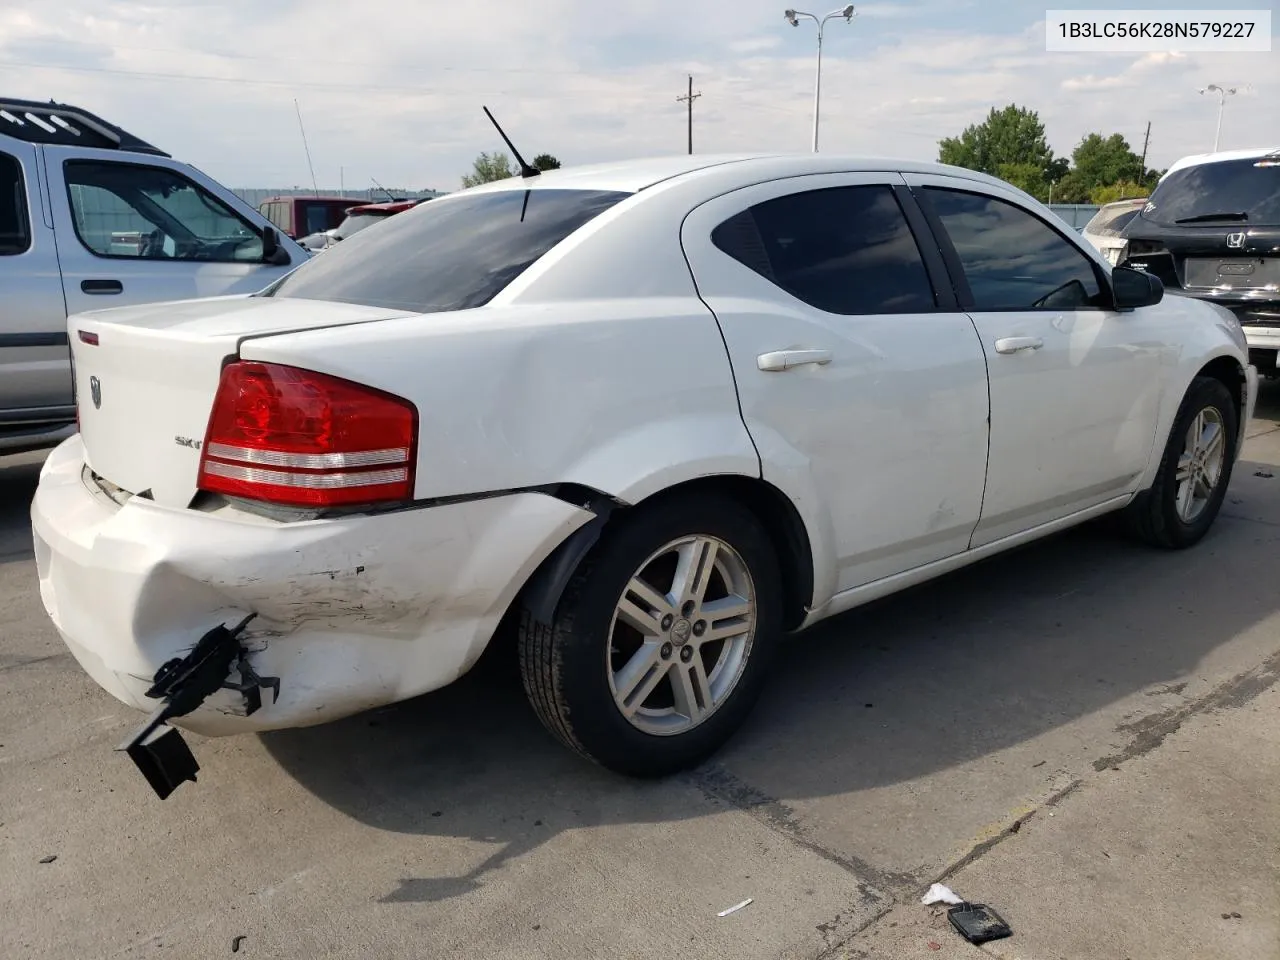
<point>95,391</point>
<point>1235,240</point>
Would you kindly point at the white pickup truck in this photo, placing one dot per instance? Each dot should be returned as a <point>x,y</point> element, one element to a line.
<point>93,217</point>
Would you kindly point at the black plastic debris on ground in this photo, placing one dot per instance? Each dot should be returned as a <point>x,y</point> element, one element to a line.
<point>978,923</point>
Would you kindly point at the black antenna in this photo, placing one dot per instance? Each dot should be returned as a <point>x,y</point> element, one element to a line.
<point>525,169</point>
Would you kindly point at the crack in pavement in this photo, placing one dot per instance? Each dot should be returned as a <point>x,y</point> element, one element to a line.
<point>717,783</point>
<point>1151,731</point>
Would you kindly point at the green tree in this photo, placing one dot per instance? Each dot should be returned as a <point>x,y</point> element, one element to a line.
<point>1102,161</point>
<point>487,168</point>
<point>1123,190</point>
<point>1025,176</point>
<point>1012,135</point>
<point>1071,189</point>
<point>545,161</point>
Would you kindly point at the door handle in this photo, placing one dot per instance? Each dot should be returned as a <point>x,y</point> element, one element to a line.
<point>780,360</point>
<point>1018,344</point>
<point>101,286</point>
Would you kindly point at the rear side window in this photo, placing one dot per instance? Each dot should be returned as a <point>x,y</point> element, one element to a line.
<point>15,224</point>
<point>1012,260</point>
<point>844,250</point>
<point>451,254</point>
<point>1225,191</point>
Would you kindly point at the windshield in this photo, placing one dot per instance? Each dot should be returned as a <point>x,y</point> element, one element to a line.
<point>1225,188</point>
<point>450,254</point>
<point>355,223</point>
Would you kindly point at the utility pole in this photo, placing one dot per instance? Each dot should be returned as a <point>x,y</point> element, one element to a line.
<point>690,97</point>
<point>1142,172</point>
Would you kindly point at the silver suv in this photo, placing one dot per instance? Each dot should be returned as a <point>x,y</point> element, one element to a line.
<point>93,217</point>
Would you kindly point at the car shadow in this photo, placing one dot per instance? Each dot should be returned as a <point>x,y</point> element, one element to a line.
<point>18,476</point>
<point>982,660</point>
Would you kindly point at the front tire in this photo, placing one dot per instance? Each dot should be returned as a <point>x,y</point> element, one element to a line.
<point>661,642</point>
<point>1194,471</point>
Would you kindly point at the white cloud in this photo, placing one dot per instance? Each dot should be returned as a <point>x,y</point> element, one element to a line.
<point>394,92</point>
<point>754,44</point>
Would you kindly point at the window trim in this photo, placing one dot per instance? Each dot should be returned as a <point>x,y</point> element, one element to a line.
<point>23,210</point>
<point>944,297</point>
<point>71,208</point>
<point>956,269</point>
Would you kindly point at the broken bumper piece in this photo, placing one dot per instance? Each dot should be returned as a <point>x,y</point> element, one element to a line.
<point>183,684</point>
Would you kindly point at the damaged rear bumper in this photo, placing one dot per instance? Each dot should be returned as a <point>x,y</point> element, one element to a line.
<point>349,613</point>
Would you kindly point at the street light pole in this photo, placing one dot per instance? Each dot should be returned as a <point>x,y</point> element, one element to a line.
<point>1223,93</point>
<point>793,18</point>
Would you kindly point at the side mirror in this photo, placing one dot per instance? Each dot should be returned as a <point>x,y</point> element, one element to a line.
<point>272,252</point>
<point>1132,288</point>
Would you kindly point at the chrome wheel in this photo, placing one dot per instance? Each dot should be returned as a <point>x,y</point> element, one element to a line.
<point>681,635</point>
<point>1201,463</point>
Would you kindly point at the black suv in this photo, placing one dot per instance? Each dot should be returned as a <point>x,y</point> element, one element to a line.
<point>1212,230</point>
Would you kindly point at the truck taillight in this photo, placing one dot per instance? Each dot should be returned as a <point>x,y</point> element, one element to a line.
<point>298,438</point>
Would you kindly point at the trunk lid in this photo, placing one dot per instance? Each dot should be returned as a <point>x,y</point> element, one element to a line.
<point>146,376</point>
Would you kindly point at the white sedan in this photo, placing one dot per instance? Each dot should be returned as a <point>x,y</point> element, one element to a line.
<point>652,415</point>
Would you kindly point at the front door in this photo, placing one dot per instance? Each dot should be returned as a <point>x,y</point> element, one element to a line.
<point>864,389</point>
<point>134,232</point>
<point>1075,385</point>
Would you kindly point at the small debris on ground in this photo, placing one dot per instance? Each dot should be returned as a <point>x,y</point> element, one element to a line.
<point>49,859</point>
<point>978,923</point>
<point>1040,764</point>
<point>940,893</point>
<point>236,941</point>
<point>735,908</point>
<point>1264,474</point>
<point>934,945</point>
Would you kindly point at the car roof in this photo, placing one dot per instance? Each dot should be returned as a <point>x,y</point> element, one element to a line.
<point>1249,153</point>
<point>312,198</point>
<point>631,176</point>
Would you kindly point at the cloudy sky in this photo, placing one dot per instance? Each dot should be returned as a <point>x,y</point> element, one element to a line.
<point>393,91</point>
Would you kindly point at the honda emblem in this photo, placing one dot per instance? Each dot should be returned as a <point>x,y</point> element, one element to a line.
<point>95,391</point>
<point>1235,240</point>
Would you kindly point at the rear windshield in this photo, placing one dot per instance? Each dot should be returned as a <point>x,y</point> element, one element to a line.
<point>356,222</point>
<point>1111,221</point>
<point>451,254</point>
<point>1219,192</point>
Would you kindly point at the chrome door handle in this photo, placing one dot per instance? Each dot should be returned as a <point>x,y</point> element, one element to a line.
<point>780,360</point>
<point>1018,344</point>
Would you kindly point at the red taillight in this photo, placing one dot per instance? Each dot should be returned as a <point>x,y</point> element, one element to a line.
<point>294,437</point>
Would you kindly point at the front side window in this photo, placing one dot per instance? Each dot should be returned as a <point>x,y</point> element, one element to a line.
<point>447,255</point>
<point>134,211</point>
<point>1011,259</point>
<point>845,250</point>
<point>15,223</point>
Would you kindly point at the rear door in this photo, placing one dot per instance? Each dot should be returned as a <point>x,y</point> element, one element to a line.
<point>861,383</point>
<point>145,230</point>
<point>35,372</point>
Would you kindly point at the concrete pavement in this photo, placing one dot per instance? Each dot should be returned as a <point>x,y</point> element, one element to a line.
<point>897,744</point>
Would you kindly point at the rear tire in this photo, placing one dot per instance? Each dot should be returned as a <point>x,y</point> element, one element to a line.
<point>1181,505</point>
<point>650,665</point>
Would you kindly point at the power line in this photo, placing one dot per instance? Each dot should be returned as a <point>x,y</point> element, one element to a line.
<point>223,55</point>
<point>244,81</point>
<point>690,97</point>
